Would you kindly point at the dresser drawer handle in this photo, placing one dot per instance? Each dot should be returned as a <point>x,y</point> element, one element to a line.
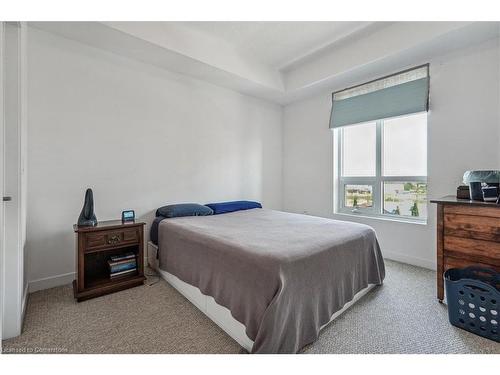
<point>114,239</point>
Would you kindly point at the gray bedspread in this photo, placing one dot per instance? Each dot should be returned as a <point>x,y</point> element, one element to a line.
<point>282,275</point>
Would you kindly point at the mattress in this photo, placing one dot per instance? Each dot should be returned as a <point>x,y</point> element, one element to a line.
<point>282,275</point>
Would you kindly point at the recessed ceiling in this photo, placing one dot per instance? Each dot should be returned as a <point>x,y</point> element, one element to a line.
<point>278,61</point>
<point>277,44</point>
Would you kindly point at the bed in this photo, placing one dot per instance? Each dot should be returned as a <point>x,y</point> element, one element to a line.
<point>270,279</point>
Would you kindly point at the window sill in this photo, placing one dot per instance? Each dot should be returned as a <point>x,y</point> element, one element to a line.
<point>383,218</point>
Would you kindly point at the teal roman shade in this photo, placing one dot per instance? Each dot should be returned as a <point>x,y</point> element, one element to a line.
<point>396,95</point>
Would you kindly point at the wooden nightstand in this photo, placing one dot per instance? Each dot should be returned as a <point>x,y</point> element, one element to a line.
<point>95,246</point>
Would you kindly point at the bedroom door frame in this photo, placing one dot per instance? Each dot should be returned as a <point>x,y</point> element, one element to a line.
<point>13,176</point>
<point>2,230</point>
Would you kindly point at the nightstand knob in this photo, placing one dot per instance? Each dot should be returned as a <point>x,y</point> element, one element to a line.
<point>114,239</point>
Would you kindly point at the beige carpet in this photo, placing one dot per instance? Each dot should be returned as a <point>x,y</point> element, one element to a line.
<point>402,316</point>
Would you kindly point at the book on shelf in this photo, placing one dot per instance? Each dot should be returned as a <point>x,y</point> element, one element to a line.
<point>122,267</point>
<point>116,258</point>
<point>123,273</point>
<point>124,261</point>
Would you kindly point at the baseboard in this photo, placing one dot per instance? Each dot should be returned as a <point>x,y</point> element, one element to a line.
<point>408,259</point>
<point>51,282</point>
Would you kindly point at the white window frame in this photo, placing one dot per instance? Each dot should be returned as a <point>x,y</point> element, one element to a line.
<point>376,182</point>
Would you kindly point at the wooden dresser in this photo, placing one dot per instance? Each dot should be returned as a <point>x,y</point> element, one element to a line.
<point>94,247</point>
<point>468,233</point>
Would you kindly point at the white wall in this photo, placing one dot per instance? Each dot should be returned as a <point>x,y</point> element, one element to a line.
<point>141,137</point>
<point>463,133</point>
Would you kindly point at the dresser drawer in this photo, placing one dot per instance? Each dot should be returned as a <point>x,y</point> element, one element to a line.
<point>472,249</point>
<point>451,262</point>
<point>102,239</point>
<point>493,211</point>
<point>471,226</point>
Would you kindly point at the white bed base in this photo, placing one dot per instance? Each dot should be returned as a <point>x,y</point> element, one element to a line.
<point>220,315</point>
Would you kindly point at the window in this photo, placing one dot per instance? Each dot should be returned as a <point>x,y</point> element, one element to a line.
<point>381,129</point>
<point>382,168</point>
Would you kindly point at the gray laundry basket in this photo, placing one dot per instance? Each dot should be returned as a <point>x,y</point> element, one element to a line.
<point>473,296</point>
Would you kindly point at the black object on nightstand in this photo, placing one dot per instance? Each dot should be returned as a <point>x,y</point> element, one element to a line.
<point>94,248</point>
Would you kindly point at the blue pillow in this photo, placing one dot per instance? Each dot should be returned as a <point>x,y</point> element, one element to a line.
<point>184,209</point>
<point>224,207</point>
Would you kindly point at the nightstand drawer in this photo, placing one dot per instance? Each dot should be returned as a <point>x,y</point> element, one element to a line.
<point>102,239</point>
<point>95,240</point>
